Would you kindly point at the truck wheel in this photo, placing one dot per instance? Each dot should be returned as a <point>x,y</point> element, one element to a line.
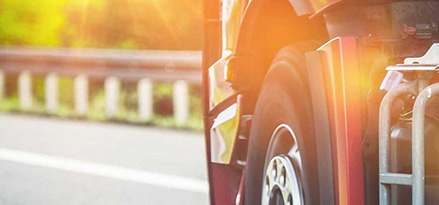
<point>282,162</point>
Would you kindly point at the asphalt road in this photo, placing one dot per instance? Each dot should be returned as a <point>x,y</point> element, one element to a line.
<point>51,161</point>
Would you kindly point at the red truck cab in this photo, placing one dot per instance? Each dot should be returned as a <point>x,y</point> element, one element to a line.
<point>321,102</point>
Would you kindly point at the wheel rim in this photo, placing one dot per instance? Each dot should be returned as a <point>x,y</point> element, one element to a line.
<point>281,182</point>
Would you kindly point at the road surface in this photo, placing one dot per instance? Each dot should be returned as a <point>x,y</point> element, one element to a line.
<point>52,161</point>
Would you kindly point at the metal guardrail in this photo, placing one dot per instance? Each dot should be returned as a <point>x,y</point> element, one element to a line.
<point>114,66</point>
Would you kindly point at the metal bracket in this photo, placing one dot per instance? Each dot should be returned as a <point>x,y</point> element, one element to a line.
<point>430,61</point>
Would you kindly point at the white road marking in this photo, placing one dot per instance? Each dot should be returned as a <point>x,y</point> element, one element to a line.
<point>72,165</point>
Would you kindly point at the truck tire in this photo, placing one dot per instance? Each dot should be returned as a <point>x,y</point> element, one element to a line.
<point>282,159</point>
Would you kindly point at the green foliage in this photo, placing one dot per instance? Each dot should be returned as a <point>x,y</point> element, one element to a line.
<point>196,112</point>
<point>9,104</point>
<point>128,106</point>
<point>162,91</point>
<point>96,109</point>
<point>66,97</point>
<point>38,90</point>
<point>32,22</point>
<point>126,24</point>
<point>65,92</point>
<point>162,95</point>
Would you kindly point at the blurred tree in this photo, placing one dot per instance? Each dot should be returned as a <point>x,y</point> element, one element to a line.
<point>152,24</point>
<point>167,23</point>
<point>33,22</point>
<point>131,24</point>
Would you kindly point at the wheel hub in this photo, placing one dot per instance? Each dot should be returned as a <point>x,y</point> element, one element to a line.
<point>281,184</point>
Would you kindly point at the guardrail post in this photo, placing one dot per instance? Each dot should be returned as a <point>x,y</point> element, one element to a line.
<point>25,90</point>
<point>181,101</point>
<point>2,84</point>
<point>52,92</point>
<point>112,86</point>
<point>81,94</point>
<point>145,101</point>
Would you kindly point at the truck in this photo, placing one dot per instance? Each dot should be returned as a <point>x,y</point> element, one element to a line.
<point>321,101</point>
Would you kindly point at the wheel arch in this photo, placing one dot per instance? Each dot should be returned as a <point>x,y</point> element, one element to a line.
<point>266,27</point>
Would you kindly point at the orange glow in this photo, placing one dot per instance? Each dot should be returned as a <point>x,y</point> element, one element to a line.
<point>344,103</point>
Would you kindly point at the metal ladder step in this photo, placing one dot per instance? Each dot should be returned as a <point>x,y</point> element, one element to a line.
<point>417,178</point>
<point>395,178</point>
<point>387,178</point>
